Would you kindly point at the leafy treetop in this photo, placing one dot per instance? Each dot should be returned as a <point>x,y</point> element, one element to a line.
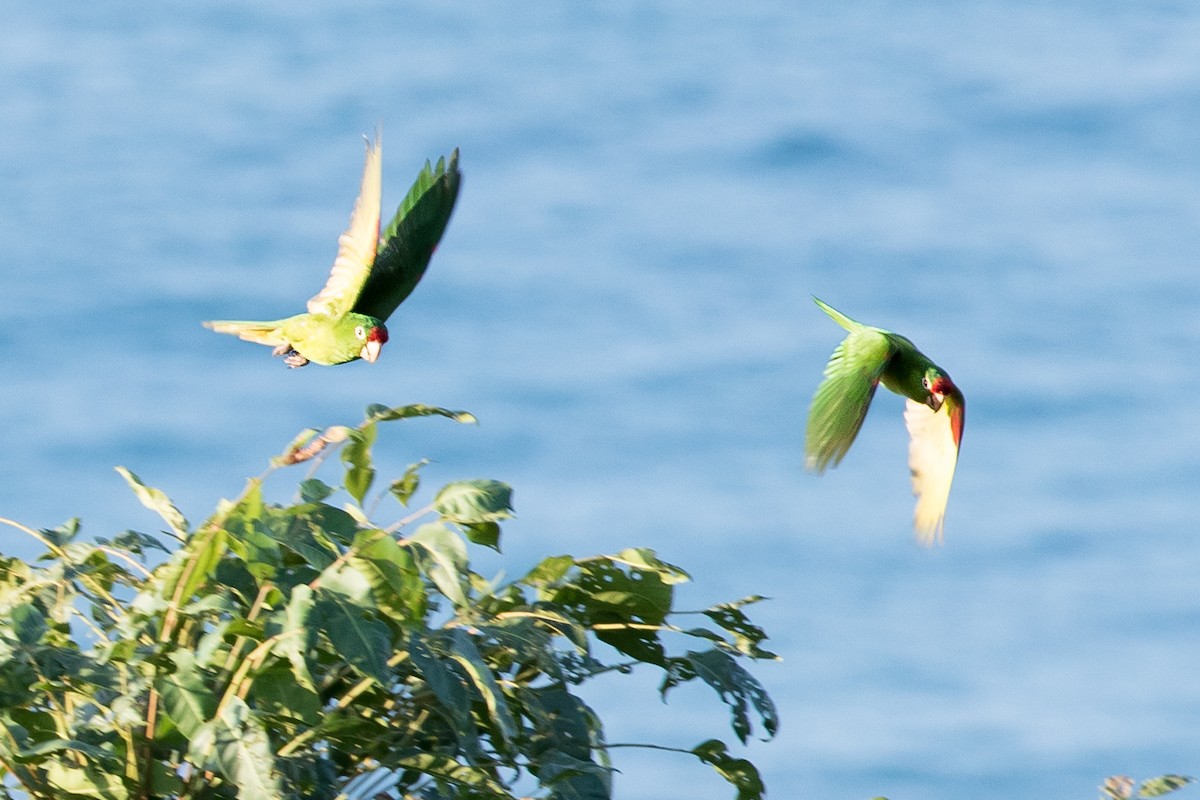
<point>304,651</point>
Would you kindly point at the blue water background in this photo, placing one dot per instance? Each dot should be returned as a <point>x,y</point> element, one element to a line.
<point>652,192</point>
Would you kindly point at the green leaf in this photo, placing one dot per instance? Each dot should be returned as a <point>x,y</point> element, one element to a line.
<point>296,637</point>
<point>212,645</point>
<point>377,412</point>
<point>737,687</point>
<point>219,603</point>
<point>738,771</point>
<point>235,581</point>
<point>85,782</point>
<point>27,726</point>
<point>462,649</point>
<point>135,542</point>
<point>236,746</point>
<point>644,559</point>
<point>486,534</point>
<point>623,606</point>
<point>190,566</point>
<point>205,555</point>
<point>562,720</point>
<point>392,573</point>
<point>474,501</point>
<point>450,691</point>
<point>314,490</point>
<point>443,557</point>
<point>276,692</point>
<point>358,515</point>
<point>567,730</point>
<point>526,643</point>
<point>94,753</point>
<point>1163,784</point>
<point>248,525</point>
<point>747,636</point>
<point>637,596</point>
<point>28,624</point>
<point>549,570</point>
<point>468,781</point>
<point>364,642</point>
<point>317,534</point>
<point>63,533</point>
<point>404,488</point>
<point>347,580</point>
<point>558,624</point>
<point>357,457</point>
<point>156,501</point>
<point>570,778</point>
<point>186,699</point>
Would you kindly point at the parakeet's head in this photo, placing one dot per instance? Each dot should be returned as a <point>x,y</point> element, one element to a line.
<point>938,384</point>
<point>370,334</point>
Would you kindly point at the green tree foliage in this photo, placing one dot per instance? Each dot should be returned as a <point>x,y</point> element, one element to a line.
<point>1122,787</point>
<point>304,651</point>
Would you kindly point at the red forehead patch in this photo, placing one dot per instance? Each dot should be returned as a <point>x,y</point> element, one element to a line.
<point>378,334</point>
<point>943,385</point>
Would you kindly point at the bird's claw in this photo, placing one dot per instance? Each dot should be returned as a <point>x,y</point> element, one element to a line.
<point>290,357</point>
<point>294,360</point>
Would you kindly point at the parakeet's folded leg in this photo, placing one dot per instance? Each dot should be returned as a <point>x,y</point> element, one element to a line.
<point>294,360</point>
<point>290,357</point>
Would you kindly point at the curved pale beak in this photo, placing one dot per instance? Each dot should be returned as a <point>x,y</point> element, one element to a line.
<point>935,401</point>
<point>370,351</point>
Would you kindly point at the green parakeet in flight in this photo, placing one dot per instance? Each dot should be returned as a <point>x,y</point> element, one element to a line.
<point>934,412</point>
<point>372,273</point>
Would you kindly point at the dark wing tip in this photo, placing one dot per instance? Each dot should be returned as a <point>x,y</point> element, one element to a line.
<point>407,243</point>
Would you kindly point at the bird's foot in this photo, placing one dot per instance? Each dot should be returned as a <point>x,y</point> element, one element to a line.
<point>290,357</point>
<point>294,360</point>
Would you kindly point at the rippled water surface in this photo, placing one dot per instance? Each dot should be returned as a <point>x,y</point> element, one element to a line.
<point>652,192</point>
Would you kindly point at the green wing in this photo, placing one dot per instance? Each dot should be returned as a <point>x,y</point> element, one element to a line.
<point>841,402</point>
<point>409,240</point>
<point>837,316</point>
<point>357,245</point>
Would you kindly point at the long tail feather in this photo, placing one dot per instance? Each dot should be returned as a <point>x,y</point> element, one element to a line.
<point>249,330</point>
<point>837,316</point>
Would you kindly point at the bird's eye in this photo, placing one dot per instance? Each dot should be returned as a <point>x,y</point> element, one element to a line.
<point>360,333</point>
<point>925,383</point>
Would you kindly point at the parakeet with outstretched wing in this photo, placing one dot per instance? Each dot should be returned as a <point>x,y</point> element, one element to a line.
<point>934,412</point>
<point>372,273</point>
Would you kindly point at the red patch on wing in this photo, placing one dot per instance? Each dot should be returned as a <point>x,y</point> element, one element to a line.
<point>957,407</point>
<point>957,415</point>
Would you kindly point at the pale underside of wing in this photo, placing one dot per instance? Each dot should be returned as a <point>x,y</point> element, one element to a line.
<point>841,401</point>
<point>932,457</point>
<point>357,245</point>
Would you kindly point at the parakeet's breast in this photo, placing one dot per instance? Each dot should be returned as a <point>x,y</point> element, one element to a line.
<point>322,339</point>
<point>905,370</point>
